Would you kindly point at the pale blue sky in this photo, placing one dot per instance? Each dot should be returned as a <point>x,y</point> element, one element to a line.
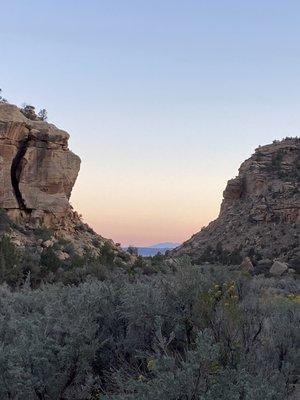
<point>163,99</point>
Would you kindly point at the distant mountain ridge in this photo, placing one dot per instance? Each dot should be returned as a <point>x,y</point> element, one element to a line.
<point>164,245</point>
<point>154,249</point>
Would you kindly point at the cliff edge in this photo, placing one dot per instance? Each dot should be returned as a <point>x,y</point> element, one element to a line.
<point>260,211</point>
<point>37,175</point>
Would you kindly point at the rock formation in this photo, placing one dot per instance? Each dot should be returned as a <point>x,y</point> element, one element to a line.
<point>37,170</point>
<point>37,175</point>
<point>260,211</point>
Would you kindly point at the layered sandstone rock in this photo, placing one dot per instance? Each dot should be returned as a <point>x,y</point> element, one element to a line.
<point>37,174</point>
<point>37,170</point>
<point>260,212</point>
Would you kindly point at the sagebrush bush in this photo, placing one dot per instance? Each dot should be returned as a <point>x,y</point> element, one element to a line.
<point>184,332</point>
<point>10,268</point>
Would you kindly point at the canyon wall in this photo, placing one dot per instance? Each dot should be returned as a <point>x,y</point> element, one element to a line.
<point>37,170</point>
<point>260,211</point>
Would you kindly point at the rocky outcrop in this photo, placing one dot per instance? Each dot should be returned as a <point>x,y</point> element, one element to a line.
<point>37,170</point>
<point>37,175</point>
<point>260,211</point>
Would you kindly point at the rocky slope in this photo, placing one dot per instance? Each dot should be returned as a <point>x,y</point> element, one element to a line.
<point>260,211</point>
<point>37,174</point>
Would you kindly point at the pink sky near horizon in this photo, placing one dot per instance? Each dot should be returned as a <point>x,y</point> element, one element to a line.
<point>144,230</point>
<point>152,212</point>
<point>163,100</point>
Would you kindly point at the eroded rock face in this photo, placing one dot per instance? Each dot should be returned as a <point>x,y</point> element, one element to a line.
<point>37,174</point>
<point>270,179</point>
<point>260,211</point>
<point>37,170</point>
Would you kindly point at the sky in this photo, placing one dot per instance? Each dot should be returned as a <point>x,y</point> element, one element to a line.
<point>163,99</point>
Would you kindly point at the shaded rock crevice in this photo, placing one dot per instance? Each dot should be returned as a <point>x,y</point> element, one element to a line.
<point>16,170</point>
<point>37,169</point>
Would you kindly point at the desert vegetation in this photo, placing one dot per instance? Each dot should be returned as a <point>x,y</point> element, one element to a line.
<point>30,113</point>
<point>80,319</point>
<point>29,110</point>
<point>159,329</point>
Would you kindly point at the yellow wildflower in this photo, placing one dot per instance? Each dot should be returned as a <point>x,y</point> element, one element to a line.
<point>151,364</point>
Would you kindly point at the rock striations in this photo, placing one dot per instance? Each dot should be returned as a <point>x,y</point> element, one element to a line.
<point>37,175</point>
<point>260,211</point>
<point>37,170</point>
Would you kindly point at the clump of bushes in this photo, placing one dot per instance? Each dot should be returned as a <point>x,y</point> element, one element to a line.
<point>276,160</point>
<point>30,113</point>
<point>220,255</point>
<point>5,222</point>
<point>43,233</point>
<point>44,265</point>
<point>10,268</point>
<point>189,332</point>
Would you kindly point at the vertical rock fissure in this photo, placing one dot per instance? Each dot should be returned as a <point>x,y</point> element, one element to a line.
<point>16,169</point>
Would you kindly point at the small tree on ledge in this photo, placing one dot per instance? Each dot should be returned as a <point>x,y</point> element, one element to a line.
<point>29,112</point>
<point>42,115</point>
<point>2,99</point>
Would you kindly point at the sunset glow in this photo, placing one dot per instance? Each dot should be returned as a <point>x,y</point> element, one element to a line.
<point>163,100</point>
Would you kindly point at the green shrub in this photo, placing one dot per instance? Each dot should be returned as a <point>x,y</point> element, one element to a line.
<point>49,260</point>
<point>5,222</point>
<point>43,233</point>
<point>107,254</point>
<point>10,267</point>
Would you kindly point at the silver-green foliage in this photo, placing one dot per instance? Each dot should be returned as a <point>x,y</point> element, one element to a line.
<point>48,339</point>
<point>182,334</point>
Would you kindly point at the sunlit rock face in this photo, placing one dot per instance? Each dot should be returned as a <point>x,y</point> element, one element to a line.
<point>260,211</point>
<point>37,170</point>
<point>37,175</point>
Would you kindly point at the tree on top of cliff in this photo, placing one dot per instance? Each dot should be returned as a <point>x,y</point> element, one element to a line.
<point>42,114</point>
<point>2,99</point>
<point>30,113</point>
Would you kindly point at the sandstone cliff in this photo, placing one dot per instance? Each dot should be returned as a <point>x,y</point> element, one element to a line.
<point>260,211</point>
<point>37,175</point>
<point>37,170</point>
